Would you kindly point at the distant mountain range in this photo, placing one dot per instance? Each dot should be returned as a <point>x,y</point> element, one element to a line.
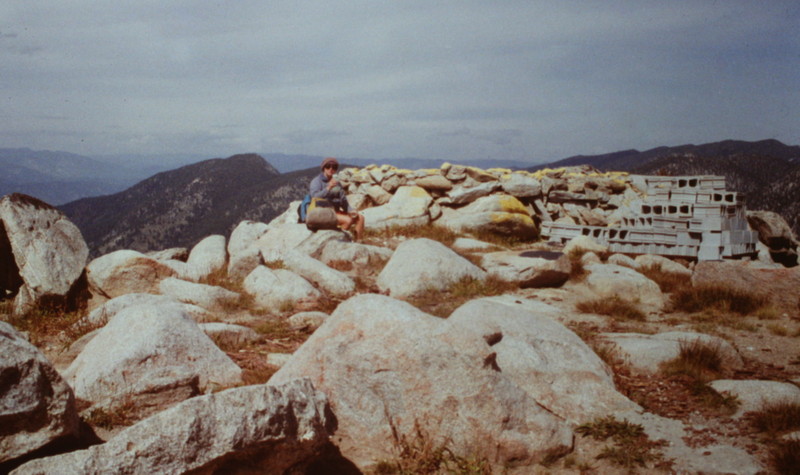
<point>177,208</point>
<point>61,177</point>
<point>180,206</point>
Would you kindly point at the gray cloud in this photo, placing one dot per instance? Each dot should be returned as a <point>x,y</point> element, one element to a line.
<point>453,79</point>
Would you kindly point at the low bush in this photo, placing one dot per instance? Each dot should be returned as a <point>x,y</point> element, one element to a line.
<point>431,231</point>
<point>442,302</point>
<point>418,453</point>
<point>785,457</point>
<point>698,359</point>
<point>45,323</point>
<point>631,447</point>
<point>716,298</point>
<point>576,270</point>
<point>723,403</point>
<point>667,281</point>
<point>613,307</point>
<point>776,417</point>
<point>116,416</point>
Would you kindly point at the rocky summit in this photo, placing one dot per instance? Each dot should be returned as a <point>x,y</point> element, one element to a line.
<point>452,338</point>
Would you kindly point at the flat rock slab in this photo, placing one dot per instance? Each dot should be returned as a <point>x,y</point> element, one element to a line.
<point>754,394</point>
<point>646,353</point>
<point>266,429</point>
<point>529,269</point>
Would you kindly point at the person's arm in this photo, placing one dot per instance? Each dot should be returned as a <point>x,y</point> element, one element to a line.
<point>318,188</point>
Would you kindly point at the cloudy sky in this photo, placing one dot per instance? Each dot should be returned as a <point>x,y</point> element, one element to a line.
<point>523,80</point>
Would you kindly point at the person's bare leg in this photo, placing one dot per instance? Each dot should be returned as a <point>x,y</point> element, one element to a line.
<point>359,231</point>
<point>344,221</point>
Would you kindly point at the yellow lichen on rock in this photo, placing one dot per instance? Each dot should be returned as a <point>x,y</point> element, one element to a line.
<point>510,204</point>
<point>512,218</point>
<point>417,192</point>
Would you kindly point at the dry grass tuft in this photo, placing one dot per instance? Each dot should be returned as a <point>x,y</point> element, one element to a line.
<point>120,415</point>
<point>716,298</point>
<point>785,457</point>
<point>503,240</point>
<point>776,417</point>
<point>631,448</point>
<point>442,302</point>
<point>435,232</point>
<point>276,264</point>
<point>701,362</point>
<point>697,359</point>
<point>576,270</point>
<point>46,323</point>
<point>667,281</point>
<point>612,307</point>
<point>420,454</point>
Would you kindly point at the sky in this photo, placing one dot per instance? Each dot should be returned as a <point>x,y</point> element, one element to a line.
<point>452,79</point>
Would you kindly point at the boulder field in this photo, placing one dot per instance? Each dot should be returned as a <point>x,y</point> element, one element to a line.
<point>281,350</point>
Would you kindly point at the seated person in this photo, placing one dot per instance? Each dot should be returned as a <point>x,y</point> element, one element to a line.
<point>326,186</point>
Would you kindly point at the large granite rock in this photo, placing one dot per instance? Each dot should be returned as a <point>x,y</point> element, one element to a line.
<point>243,252</point>
<point>541,356</point>
<point>207,296</point>
<point>500,214</point>
<point>776,234</point>
<point>408,206</point>
<point>529,268</point>
<point>208,256</point>
<point>253,429</point>
<point>418,265</point>
<point>387,366</point>
<point>156,354</point>
<point>126,272</point>
<point>275,289</point>
<point>36,404</point>
<point>331,281</point>
<point>42,253</point>
<point>613,281</point>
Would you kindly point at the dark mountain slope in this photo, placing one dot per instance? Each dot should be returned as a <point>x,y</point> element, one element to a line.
<point>767,171</point>
<point>627,160</point>
<point>174,208</point>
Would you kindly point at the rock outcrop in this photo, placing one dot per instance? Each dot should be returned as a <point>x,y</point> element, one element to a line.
<point>156,354</point>
<point>253,429</point>
<point>421,265</point>
<point>388,367</point>
<point>42,254</point>
<point>126,272</point>
<point>37,406</point>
